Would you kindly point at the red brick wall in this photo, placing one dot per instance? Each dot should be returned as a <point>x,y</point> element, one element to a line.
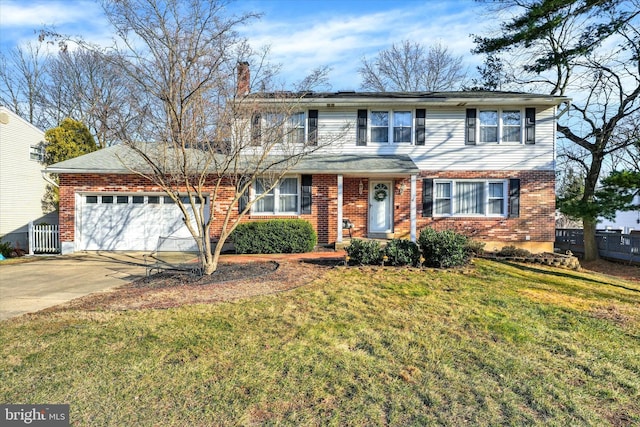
<point>323,213</point>
<point>537,205</point>
<point>537,209</point>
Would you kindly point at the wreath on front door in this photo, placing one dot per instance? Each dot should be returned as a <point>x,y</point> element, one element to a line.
<point>379,195</point>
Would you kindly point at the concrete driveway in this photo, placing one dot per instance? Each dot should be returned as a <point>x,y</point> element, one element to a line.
<point>31,286</point>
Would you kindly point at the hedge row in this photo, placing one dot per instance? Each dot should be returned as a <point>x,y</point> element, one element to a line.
<point>441,249</point>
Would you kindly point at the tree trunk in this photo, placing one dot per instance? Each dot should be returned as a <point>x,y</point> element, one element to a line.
<point>590,243</point>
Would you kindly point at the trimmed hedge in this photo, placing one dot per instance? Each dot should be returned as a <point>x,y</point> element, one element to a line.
<point>402,252</point>
<point>364,252</point>
<point>274,236</point>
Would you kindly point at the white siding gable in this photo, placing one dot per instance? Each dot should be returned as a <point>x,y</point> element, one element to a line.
<point>21,184</point>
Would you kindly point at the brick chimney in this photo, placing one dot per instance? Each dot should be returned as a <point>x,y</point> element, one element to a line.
<point>244,78</point>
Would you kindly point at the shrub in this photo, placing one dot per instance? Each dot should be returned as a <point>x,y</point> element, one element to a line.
<point>444,248</point>
<point>402,252</point>
<point>364,252</point>
<point>5,249</point>
<point>274,236</point>
<point>512,251</point>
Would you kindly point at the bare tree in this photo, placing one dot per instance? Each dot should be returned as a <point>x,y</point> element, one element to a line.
<point>84,85</point>
<point>412,67</point>
<point>191,118</point>
<point>22,77</point>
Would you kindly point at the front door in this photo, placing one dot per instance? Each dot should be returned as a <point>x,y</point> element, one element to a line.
<point>380,204</point>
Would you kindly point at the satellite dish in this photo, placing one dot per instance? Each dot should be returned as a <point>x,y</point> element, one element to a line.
<point>4,118</point>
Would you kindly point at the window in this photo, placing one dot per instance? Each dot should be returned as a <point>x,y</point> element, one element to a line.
<point>36,152</point>
<point>275,127</point>
<point>137,200</point>
<point>296,128</point>
<point>379,126</point>
<point>153,200</point>
<point>500,126</point>
<point>282,199</point>
<point>469,198</point>
<point>122,199</point>
<point>402,126</point>
<point>511,126</point>
<point>400,131</point>
<point>92,199</point>
<point>488,126</point>
<point>107,199</point>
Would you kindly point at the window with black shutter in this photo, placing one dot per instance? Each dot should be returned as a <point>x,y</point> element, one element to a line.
<point>256,131</point>
<point>421,115</point>
<point>514,198</point>
<point>427,197</point>
<point>307,186</point>
<point>530,126</point>
<point>362,128</point>
<point>471,127</point>
<point>313,127</point>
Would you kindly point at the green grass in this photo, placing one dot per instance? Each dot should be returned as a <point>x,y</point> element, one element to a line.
<point>500,344</point>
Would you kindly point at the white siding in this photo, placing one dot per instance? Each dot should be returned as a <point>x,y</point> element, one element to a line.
<point>21,184</point>
<point>445,147</point>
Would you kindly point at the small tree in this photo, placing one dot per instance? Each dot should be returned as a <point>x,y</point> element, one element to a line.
<point>68,140</point>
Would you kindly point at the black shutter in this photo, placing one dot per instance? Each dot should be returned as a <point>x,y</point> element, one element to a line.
<point>256,131</point>
<point>362,127</point>
<point>514,198</point>
<point>530,126</point>
<point>427,197</point>
<point>306,193</point>
<point>471,127</point>
<point>312,128</point>
<point>421,115</point>
<point>243,200</point>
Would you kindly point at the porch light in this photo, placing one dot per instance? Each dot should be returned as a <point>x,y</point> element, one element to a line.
<point>403,188</point>
<point>360,187</point>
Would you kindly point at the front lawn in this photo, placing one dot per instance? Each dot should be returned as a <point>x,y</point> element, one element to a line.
<point>498,344</point>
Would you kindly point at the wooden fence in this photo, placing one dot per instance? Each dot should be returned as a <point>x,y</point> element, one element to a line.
<point>611,244</point>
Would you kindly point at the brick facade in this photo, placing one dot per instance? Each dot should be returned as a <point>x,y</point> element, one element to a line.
<point>534,228</point>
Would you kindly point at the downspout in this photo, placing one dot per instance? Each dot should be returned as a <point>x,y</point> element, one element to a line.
<point>48,179</point>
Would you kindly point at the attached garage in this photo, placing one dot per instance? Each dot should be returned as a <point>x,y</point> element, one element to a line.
<point>128,222</point>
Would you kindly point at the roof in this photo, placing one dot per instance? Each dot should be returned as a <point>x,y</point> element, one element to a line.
<point>120,159</point>
<point>459,98</point>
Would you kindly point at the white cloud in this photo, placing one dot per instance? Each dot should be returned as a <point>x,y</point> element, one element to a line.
<point>36,14</point>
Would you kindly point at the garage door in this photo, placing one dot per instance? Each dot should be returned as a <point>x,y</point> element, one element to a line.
<point>129,222</point>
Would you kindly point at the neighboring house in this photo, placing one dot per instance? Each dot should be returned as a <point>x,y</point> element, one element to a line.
<point>22,186</point>
<point>626,221</point>
<point>481,163</point>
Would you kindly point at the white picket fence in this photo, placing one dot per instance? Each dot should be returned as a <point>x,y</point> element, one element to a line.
<point>43,239</point>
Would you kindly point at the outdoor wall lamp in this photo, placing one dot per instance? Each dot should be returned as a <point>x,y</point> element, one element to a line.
<point>360,187</point>
<point>403,187</point>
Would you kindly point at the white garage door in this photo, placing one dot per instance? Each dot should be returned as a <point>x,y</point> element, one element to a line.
<point>133,222</point>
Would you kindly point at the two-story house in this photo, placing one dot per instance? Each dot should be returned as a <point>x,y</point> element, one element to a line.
<point>481,163</point>
<point>22,187</point>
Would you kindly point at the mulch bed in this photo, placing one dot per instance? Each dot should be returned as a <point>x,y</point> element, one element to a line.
<point>230,282</point>
<point>241,280</point>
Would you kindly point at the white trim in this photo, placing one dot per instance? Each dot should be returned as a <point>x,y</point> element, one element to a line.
<point>276,193</point>
<point>339,214</point>
<point>413,209</point>
<point>500,111</point>
<point>452,182</point>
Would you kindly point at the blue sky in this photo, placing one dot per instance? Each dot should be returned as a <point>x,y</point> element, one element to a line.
<point>302,34</point>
